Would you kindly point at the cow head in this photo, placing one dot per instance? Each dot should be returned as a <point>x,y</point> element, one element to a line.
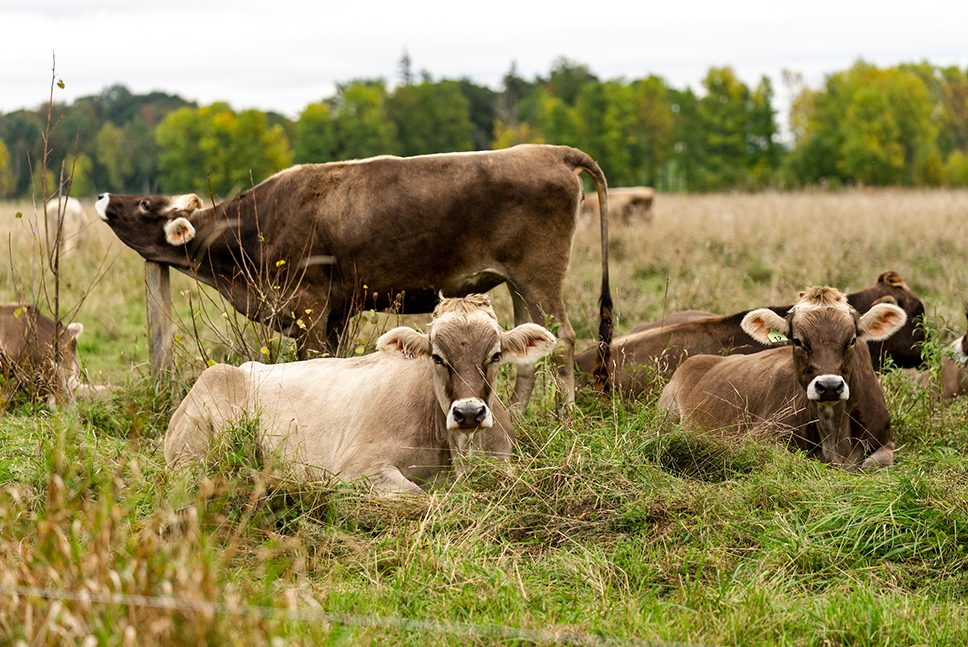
<point>157,227</point>
<point>824,330</point>
<point>467,345</point>
<point>904,346</point>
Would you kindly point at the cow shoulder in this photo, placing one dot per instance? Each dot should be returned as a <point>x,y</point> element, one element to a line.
<point>217,399</point>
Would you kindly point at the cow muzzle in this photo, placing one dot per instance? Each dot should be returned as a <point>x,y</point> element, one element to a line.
<point>828,389</point>
<point>469,414</point>
<point>101,206</point>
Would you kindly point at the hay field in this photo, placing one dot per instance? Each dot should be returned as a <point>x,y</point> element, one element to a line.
<point>610,529</point>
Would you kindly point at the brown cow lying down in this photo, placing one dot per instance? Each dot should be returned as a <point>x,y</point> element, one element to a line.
<point>654,350</point>
<point>399,417</point>
<point>822,388</point>
<point>625,204</point>
<point>27,353</point>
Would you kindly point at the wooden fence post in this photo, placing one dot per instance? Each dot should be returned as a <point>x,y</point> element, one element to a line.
<point>158,303</point>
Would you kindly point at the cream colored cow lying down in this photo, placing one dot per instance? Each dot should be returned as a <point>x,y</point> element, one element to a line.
<point>399,417</point>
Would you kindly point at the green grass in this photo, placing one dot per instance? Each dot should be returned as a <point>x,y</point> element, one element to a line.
<point>610,524</point>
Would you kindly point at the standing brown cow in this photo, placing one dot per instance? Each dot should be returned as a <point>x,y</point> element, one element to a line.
<point>822,388</point>
<point>296,250</point>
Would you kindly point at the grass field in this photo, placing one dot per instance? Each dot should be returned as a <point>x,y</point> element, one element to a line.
<point>611,529</point>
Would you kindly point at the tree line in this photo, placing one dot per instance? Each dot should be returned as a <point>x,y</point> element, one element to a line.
<point>902,125</point>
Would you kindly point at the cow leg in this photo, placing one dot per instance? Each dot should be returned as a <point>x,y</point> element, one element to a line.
<point>391,481</point>
<point>883,457</point>
<point>319,339</point>
<point>563,359</point>
<point>525,373</point>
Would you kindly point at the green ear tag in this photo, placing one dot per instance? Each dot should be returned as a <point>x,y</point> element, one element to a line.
<point>776,337</point>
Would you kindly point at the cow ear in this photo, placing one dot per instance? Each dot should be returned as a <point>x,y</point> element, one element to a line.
<point>404,342</point>
<point>179,231</point>
<point>75,328</point>
<point>527,343</point>
<point>880,322</point>
<point>760,323</point>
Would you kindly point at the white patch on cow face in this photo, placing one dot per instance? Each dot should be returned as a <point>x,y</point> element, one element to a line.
<point>101,206</point>
<point>822,387</point>
<point>469,413</point>
<point>179,231</point>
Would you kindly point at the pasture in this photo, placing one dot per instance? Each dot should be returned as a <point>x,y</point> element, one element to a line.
<point>609,525</point>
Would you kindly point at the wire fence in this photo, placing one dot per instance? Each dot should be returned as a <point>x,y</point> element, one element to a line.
<point>346,619</point>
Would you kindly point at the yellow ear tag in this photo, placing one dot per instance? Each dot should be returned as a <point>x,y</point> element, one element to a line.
<point>776,337</point>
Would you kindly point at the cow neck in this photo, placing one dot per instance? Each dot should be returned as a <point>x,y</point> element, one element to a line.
<point>218,233</point>
<point>834,432</point>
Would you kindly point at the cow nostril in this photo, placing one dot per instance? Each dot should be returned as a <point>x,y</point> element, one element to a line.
<point>481,415</point>
<point>458,416</point>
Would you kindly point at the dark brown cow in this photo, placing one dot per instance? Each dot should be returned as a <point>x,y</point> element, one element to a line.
<point>309,246</point>
<point>654,350</point>
<point>822,388</point>
<point>399,417</point>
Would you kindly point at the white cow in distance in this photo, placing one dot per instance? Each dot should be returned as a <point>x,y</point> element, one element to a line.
<point>75,222</point>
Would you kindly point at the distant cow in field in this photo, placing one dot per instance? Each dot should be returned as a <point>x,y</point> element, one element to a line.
<point>27,355</point>
<point>399,417</point>
<point>821,389</point>
<point>313,244</point>
<point>626,205</point>
<point>655,350</point>
<point>70,212</point>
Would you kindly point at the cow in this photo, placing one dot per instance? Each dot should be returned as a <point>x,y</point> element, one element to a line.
<point>654,350</point>
<point>73,220</point>
<point>27,353</point>
<point>822,388</point>
<point>313,244</point>
<point>400,417</point>
<point>952,380</point>
<point>628,204</point>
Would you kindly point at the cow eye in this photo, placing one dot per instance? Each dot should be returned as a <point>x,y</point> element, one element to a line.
<point>438,359</point>
<point>145,205</point>
<point>850,343</point>
<point>495,358</point>
<point>797,343</point>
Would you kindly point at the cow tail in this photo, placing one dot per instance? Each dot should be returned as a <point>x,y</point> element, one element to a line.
<point>602,381</point>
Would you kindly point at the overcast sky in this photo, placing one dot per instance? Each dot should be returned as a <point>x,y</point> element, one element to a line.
<point>281,55</point>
